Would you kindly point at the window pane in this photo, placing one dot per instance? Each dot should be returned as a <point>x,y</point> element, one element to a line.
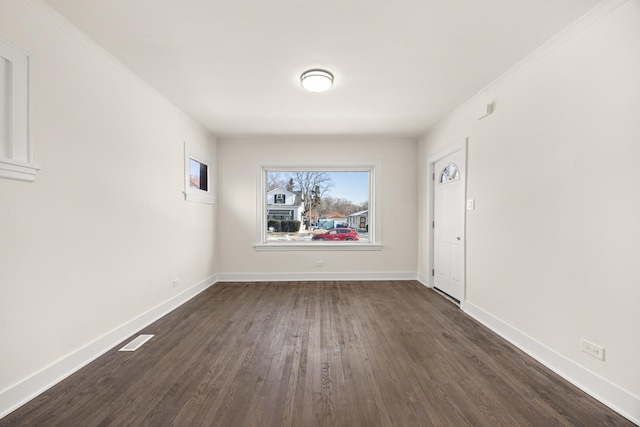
<point>449,173</point>
<point>320,202</point>
<point>198,175</point>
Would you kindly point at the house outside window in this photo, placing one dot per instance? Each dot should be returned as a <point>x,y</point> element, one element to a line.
<point>359,220</point>
<point>281,214</point>
<point>285,205</point>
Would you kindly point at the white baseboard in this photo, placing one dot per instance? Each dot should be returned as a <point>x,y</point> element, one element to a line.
<point>308,276</point>
<point>424,280</point>
<point>19,394</point>
<point>612,395</point>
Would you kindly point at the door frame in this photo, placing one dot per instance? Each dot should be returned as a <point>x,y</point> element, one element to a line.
<point>460,145</point>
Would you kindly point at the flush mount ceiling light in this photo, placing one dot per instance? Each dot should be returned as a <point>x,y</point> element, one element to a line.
<point>316,80</point>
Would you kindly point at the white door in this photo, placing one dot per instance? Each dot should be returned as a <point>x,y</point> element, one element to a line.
<point>449,225</point>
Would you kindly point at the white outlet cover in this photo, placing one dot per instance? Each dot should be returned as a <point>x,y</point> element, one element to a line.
<point>471,204</point>
<point>592,349</point>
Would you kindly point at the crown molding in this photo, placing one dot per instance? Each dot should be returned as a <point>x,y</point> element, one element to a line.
<point>486,94</point>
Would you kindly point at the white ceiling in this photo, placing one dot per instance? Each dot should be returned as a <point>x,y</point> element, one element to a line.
<point>399,66</point>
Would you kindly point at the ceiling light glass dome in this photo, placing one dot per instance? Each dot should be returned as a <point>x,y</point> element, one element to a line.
<point>316,80</point>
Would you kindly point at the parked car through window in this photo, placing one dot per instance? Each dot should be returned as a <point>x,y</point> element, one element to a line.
<point>337,234</point>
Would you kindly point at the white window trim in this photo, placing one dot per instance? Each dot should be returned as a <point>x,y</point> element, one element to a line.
<point>374,169</point>
<point>16,153</point>
<point>195,194</point>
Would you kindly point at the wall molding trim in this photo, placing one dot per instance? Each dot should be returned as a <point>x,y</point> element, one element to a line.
<point>306,276</point>
<point>424,280</point>
<point>19,394</point>
<point>620,400</point>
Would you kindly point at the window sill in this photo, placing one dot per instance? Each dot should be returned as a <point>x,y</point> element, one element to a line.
<point>317,246</point>
<point>198,198</point>
<point>20,171</point>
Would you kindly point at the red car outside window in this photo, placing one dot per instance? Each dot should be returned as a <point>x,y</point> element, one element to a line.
<point>337,234</point>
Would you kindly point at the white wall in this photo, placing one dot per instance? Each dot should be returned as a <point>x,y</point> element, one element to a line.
<point>552,247</point>
<point>98,237</point>
<point>238,163</point>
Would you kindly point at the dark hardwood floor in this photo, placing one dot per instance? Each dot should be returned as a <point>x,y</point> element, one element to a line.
<point>388,353</point>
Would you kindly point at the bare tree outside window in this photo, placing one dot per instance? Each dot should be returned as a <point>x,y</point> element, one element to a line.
<point>275,180</point>
<point>313,185</point>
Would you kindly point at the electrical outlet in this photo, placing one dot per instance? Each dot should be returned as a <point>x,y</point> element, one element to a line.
<point>592,349</point>
<point>176,283</point>
<point>319,263</point>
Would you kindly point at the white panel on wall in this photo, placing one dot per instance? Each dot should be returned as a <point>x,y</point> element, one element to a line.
<point>4,103</point>
<point>16,155</point>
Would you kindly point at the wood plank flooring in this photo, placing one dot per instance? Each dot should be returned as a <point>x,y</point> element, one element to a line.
<point>388,353</point>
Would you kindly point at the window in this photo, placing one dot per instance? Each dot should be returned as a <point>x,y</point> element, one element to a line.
<point>198,175</point>
<point>336,199</point>
<point>198,185</point>
<point>449,173</point>
<point>16,154</point>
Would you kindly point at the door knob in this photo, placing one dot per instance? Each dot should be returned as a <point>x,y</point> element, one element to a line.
<point>458,237</point>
